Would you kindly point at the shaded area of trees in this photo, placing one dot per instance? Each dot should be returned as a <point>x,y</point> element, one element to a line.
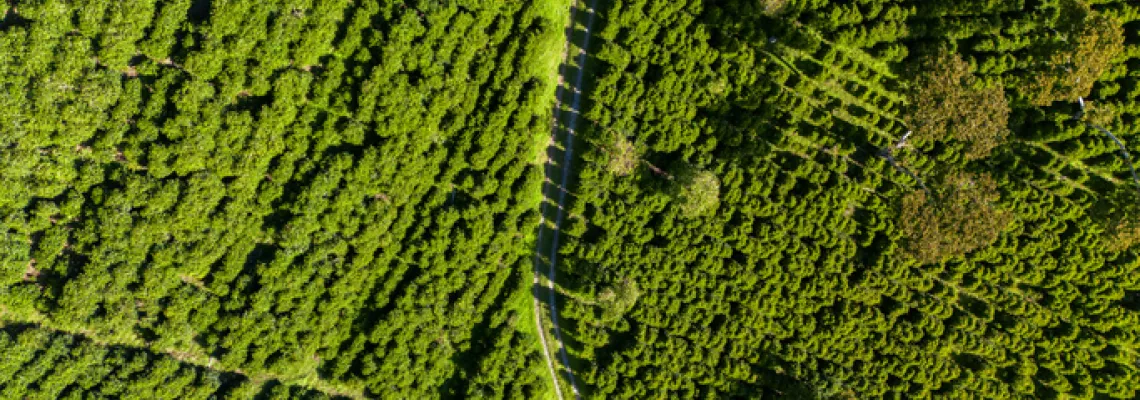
<point>825,271</point>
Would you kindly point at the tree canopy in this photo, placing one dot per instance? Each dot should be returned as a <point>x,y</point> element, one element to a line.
<point>949,103</point>
<point>342,198</point>
<point>1088,43</point>
<point>960,214</point>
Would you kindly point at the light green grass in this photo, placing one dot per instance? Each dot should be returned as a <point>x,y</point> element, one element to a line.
<point>523,303</point>
<point>543,61</point>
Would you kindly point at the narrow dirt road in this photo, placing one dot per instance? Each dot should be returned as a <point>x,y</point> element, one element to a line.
<point>569,119</point>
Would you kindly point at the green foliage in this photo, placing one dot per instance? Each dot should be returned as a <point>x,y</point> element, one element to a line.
<point>697,192</point>
<point>49,365</point>
<point>616,300</point>
<point>803,283</point>
<point>623,157</point>
<point>1118,213</point>
<point>337,193</point>
<point>1090,41</point>
<point>339,197</point>
<point>773,7</point>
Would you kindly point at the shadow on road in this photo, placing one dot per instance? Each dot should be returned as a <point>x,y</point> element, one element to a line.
<point>558,187</point>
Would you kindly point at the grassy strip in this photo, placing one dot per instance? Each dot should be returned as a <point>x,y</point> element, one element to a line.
<point>544,61</point>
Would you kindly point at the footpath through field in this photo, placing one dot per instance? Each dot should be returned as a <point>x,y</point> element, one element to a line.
<point>557,173</point>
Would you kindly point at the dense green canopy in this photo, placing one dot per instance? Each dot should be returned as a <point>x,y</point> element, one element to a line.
<point>337,194</point>
<point>826,271</point>
<point>339,198</point>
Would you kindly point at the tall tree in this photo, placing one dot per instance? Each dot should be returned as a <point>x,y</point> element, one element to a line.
<point>1087,43</point>
<point>948,102</point>
<point>697,192</point>
<point>623,156</point>
<point>956,217</point>
<point>1118,213</point>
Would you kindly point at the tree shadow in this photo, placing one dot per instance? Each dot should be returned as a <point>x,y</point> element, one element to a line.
<point>13,19</point>
<point>199,11</point>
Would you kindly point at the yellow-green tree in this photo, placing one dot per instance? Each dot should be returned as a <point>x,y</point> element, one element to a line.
<point>1118,213</point>
<point>773,7</point>
<point>948,102</point>
<point>623,157</point>
<point>954,218</point>
<point>1089,42</point>
<point>697,192</point>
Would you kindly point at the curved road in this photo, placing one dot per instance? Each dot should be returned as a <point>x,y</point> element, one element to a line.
<point>570,119</point>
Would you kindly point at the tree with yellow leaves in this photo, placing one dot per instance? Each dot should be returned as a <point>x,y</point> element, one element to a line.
<point>956,217</point>
<point>1088,43</point>
<point>947,102</point>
